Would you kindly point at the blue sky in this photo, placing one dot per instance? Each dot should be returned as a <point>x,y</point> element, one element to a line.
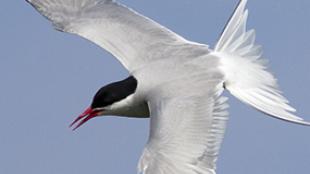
<point>48,78</point>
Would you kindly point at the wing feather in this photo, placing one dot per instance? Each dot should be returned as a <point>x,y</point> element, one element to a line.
<point>133,39</point>
<point>186,128</point>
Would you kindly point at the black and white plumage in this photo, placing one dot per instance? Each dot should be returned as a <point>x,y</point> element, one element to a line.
<point>178,83</point>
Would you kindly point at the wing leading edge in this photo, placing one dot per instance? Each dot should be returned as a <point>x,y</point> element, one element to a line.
<point>133,39</point>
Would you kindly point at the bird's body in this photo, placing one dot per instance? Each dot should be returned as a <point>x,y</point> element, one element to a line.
<point>175,82</point>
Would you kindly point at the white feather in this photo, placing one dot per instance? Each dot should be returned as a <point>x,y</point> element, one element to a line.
<point>186,130</point>
<point>180,80</point>
<point>133,39</point>
<point>245,71</point>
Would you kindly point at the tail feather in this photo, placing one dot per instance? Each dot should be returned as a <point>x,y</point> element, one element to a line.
<point>246,75</point>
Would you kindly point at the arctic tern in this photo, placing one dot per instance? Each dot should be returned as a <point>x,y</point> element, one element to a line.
<point>176,82</point>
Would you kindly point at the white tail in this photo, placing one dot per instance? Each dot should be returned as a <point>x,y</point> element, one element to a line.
<point>245,72</point>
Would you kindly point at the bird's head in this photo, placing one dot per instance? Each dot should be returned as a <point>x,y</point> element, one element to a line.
<point>112,99</point>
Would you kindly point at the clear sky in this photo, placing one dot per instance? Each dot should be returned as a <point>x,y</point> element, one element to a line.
<point>48,78</point>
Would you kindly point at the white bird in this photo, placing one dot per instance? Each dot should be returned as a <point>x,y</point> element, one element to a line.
<point>178,83</point>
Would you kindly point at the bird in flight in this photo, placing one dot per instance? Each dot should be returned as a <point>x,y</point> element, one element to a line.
<point>176,82</point>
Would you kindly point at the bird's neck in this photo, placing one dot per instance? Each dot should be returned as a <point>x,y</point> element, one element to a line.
<point>129,107</point>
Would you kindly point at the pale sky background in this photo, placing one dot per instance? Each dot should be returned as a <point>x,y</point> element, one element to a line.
<point>48,78</point>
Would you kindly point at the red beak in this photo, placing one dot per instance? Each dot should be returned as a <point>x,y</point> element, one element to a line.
<point>88,114</point>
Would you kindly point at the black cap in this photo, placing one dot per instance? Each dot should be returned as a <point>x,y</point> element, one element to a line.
<point>114,92</point>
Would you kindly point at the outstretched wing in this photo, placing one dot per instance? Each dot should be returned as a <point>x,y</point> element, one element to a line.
<point>132,38</point>
<point>187,127</point>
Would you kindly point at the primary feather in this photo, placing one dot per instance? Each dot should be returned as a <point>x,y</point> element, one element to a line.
<point>133,39</point>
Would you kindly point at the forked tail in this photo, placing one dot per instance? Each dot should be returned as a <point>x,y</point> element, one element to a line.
<point>245,71</point>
